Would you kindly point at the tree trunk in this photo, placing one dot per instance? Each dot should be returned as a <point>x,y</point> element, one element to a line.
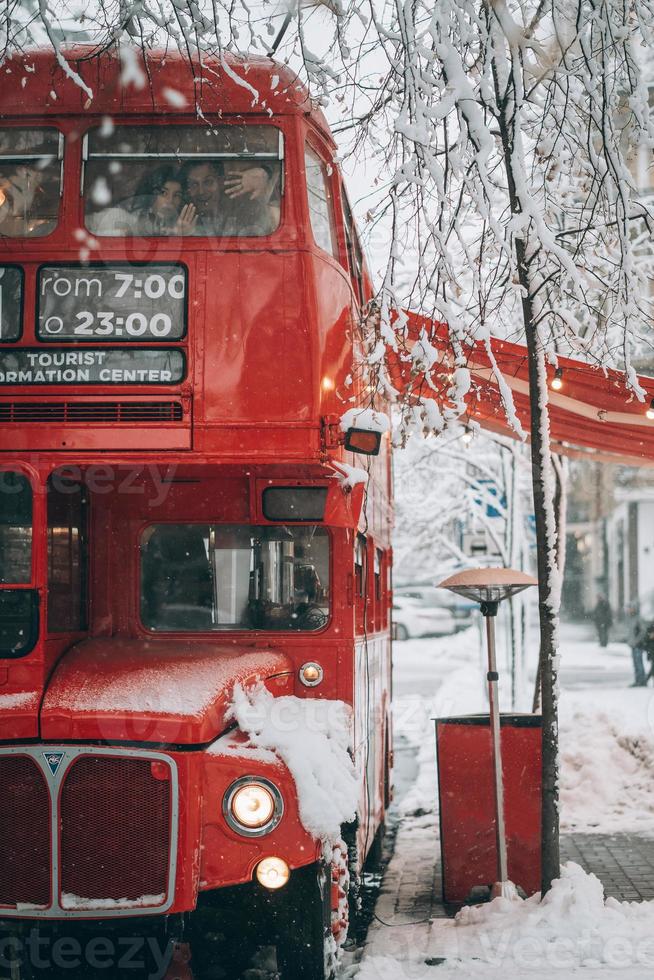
<point>542,476</point>
<point>560,503</point>
<point>541,465</point>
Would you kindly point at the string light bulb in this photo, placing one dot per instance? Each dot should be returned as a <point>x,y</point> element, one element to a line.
<point>467,436</point>
<point>557,380</point>
<point>650,411</point>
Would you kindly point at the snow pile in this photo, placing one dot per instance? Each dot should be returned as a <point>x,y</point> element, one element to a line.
<point>313,738</point>
<point>349,476</point>
<point>607,774</point>
<point>365,418</point>
<point>573,930</point>
<point>574,926</point>
<point>72,902</point>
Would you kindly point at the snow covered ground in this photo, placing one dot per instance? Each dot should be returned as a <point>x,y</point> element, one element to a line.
<point>607,739</point>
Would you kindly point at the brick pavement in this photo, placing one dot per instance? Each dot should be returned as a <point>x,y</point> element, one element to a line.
<point>624,863</point>
<point>409,897</point>
<point>411,886</point>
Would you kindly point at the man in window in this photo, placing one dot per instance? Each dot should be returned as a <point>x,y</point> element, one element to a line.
<point>229,199</point>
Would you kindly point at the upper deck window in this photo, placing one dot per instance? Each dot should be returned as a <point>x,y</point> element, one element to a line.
<point>30,181</point>
<point>321,205</point>
<point>354,253</point>
<point>150,181</point>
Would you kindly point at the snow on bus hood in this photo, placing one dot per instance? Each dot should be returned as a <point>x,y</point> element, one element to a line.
<point>154,691</point>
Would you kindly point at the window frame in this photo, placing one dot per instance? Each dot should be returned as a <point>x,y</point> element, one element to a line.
<point>8,468</point>
<point>34,623</point>
<point>378,565</point>
<point>361,579</point>
<point>30,587</point>
<point>353,248</point>
<point>328,181</point>
<point>324,487</point>
<point>84,566</point>
<point>204,634</point>
<point>21,305</point>
<point>280,157</point>
<point>60,158</point>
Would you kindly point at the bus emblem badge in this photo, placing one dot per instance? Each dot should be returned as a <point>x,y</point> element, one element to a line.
<point>54,760</point>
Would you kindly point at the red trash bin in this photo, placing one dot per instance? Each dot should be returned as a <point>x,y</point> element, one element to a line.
<point>467,802</point>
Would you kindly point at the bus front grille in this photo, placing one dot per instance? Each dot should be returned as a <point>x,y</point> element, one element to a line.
<point>24,834</point>
<point>116,833</point>
<point>88,832</point>
<point>101,411</point>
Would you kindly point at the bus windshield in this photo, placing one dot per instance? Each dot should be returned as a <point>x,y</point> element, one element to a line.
<point>30,181</point>
<point>199,577</point>
<point>183,180</point>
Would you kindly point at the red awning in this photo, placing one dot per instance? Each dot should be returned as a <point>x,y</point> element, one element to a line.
<point>593,415</point>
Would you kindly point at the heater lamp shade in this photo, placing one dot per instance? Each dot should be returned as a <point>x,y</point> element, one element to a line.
<point>488,584</point>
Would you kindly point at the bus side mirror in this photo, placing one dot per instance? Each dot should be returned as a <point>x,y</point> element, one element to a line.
<point>364,441</point>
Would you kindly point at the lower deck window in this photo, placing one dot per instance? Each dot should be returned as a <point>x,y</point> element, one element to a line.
<point>19,609</point>
<point>200,577</point>
<point>66,559</point>
<point>19,621</point>
<point>15,528</point>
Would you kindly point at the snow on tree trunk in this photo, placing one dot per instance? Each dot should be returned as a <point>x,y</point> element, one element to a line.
<point>549,589</point>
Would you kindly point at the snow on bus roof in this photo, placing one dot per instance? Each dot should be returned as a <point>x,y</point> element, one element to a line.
<point>133,81</point>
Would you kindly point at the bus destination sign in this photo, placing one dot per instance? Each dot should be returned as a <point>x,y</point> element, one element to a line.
<point>111,366</point>
<point>111,303</point>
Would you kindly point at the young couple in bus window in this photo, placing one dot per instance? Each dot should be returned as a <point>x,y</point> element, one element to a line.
<point>202,197</point>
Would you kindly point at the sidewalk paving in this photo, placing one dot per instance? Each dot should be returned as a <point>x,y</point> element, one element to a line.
<point>411,888</point>
<point>410,910</point>
<point>624,863</point>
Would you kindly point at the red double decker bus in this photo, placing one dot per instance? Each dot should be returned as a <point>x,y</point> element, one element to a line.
<point>181,287</point>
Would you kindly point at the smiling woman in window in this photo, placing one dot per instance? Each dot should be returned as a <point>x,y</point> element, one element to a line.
<point>157,208</point>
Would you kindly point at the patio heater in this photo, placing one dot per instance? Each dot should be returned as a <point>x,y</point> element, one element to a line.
<point>488,587</point>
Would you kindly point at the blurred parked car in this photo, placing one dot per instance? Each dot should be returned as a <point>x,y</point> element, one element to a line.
<point>413,616</point>
<point>429,595</point>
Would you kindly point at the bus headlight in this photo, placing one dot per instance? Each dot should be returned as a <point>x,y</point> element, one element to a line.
<point>311,674</point>
<point>273,873</point>
<point>253,806</point>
